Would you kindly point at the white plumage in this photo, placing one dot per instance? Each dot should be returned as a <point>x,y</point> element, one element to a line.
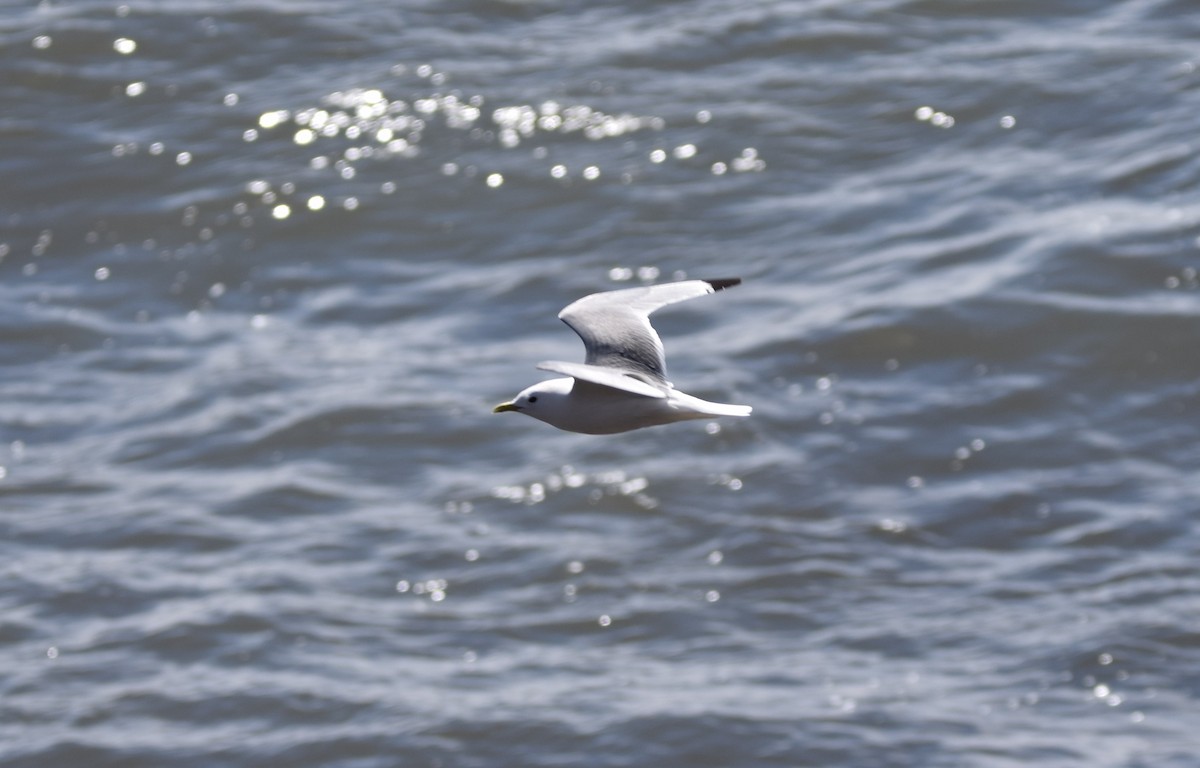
<point>622,383</point>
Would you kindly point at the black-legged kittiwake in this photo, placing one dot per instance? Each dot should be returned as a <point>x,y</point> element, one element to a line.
<point>622,383</point>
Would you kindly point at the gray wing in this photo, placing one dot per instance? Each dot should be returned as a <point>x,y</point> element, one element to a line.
<point>615,325</point>
<point>605,377</point>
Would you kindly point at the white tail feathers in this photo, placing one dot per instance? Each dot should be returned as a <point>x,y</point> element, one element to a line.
<point>726,409</point>
<point>704,408</point>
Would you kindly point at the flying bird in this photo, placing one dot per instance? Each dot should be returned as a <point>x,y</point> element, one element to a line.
<point>622,383</point>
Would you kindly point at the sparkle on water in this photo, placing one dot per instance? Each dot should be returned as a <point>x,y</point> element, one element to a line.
<point>351,127</point>
<point>934,117</point>
<point>598,486</point>
<point>367,124</point>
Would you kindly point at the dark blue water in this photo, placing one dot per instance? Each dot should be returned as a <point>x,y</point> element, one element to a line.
<point>265,268</point>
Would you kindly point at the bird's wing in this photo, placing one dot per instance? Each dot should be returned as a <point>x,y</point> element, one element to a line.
<point>615,325</point>
<point>605,377</point>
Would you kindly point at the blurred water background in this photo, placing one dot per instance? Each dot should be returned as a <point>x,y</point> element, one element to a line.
<point>265,267</point>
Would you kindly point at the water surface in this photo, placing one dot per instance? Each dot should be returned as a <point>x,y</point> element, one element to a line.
<point>265,267</point>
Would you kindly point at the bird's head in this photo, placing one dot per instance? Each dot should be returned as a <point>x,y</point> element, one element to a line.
<point>541,401</point>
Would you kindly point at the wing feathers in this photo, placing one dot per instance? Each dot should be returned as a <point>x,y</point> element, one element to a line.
<point>604,376</point>
<point>615,325</point>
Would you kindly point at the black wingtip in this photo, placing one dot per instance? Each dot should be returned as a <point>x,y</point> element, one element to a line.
<point>722,283</point>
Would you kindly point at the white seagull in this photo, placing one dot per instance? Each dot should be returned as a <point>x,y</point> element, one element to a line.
<point>622,383</point>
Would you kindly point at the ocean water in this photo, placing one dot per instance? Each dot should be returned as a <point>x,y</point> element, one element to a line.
<point>266,266</point>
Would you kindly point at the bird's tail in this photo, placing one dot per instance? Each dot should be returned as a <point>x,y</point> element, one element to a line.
<point>728,409</point>
<point>704,408</point>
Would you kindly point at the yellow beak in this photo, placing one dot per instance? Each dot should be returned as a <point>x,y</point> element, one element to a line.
<point>505,407</point>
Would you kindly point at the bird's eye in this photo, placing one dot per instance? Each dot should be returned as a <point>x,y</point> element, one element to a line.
<point>533,398</point>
